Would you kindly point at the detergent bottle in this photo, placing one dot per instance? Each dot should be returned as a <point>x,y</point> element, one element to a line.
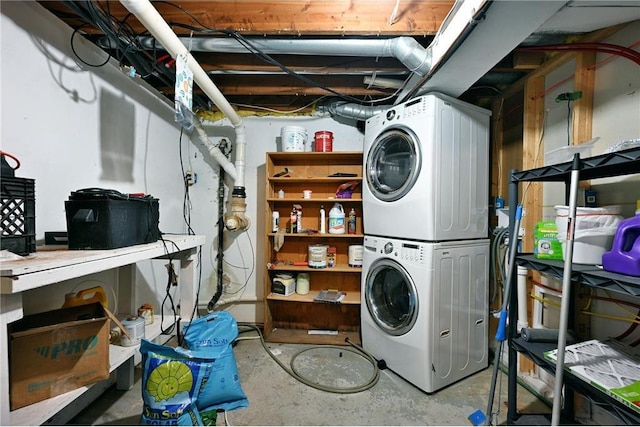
<point>624,256</point>
<point>336,219</point>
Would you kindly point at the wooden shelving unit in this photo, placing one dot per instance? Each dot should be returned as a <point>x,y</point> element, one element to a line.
<point>297,318</point>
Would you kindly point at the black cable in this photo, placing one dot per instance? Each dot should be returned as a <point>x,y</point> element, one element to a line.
<point>186,201</point>
<point>73,49</point>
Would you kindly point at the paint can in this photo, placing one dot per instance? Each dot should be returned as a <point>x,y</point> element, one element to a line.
<point>355,255</point>
<point>317,256</point>
<point>323,141</point>
<point>293,138</point>
<point>135,327</point>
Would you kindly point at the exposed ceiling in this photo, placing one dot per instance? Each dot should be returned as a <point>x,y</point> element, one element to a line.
<point>243,60</point>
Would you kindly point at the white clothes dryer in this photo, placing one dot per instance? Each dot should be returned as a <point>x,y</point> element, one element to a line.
<point>424,308</point>
<point>427,171</point>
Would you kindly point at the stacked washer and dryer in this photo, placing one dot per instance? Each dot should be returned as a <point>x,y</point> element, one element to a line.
<point>425,276</point>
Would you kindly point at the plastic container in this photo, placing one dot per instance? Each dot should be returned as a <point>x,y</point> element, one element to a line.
<point>323,141</point>
<point>336,220</point>
<point>302,284</point>
<point>624,257</point>
<point>18,215</point>
<point>565,154</point>
<point>275,221</point>
<point>594,231</point>
<point>293,138</point>
<point>105,219</point>
<point>283,284</point>
<point>331,256</point>
<point>85,296</point>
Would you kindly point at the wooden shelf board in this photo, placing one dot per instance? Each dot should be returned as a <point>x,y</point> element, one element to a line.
<point>39,412</point>
<point>337,269</point>
<point>350,298</point>
<point>321,236</point>
<point>302,336</point>
<point>314,179</point>
<point>45,267</point>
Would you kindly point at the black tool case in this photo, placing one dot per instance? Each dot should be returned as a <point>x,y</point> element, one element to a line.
<point>107,219</point>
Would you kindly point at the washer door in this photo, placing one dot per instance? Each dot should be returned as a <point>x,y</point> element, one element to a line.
<point>393,164</point>
<point>391,297</point>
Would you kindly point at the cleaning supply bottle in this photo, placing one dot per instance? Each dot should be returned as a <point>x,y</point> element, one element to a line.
<point>323,227</point>
<point>299,218</point>
<point>275,221</point>
<point>352,222</point>
<point>336,219</point>
<point>293,223</point>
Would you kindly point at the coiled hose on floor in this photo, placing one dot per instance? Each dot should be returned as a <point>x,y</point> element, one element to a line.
<point>295,374</point>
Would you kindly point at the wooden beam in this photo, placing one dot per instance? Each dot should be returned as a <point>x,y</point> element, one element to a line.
<point>532,157</point>
<point>584,81</point>
<point>293,17</point>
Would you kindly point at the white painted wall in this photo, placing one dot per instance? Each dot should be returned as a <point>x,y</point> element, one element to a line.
<point>616,117</point>
<point>74,127</point>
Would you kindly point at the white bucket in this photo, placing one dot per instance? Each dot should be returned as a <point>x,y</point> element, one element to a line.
<point>594,230</point>
<point>293,138</point>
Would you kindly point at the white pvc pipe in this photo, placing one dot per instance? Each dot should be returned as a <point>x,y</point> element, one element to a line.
<point>522,298</point>
<point>214,151</point>
<point>153,21</point>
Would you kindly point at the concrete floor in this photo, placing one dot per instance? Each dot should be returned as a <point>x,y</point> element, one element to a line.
<point>276,398</point>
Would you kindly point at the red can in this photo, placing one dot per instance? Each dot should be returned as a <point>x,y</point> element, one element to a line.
<point>323,141</point>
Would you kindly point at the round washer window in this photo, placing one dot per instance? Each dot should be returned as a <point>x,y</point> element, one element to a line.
<point>393,164</point>
<point>391,297</point>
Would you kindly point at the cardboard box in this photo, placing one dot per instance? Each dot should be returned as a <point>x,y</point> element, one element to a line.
<point>57,351</point>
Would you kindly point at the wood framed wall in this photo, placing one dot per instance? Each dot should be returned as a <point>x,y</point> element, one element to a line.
<point>518,142</point>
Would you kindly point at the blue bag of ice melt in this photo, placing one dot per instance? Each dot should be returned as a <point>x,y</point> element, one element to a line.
<point>210,338</point>
<point>170,386</point>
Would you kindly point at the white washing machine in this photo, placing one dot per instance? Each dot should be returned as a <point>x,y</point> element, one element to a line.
<point>426,163</point>
<point>424,308</point>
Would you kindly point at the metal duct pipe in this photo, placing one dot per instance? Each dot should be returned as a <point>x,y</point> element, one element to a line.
<point>153,21</point>
<point>406,49</point>
<point>354,111</point>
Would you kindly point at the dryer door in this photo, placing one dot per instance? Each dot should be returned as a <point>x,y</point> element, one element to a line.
<point>393,164</point>
<point>391,297</point>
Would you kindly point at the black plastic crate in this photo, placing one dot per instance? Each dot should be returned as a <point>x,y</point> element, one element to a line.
<point>107,219</point>
<point>18,215</point>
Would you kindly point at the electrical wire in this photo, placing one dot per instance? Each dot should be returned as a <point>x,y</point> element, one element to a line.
<point>186,201</point>
<point>372,381</point>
